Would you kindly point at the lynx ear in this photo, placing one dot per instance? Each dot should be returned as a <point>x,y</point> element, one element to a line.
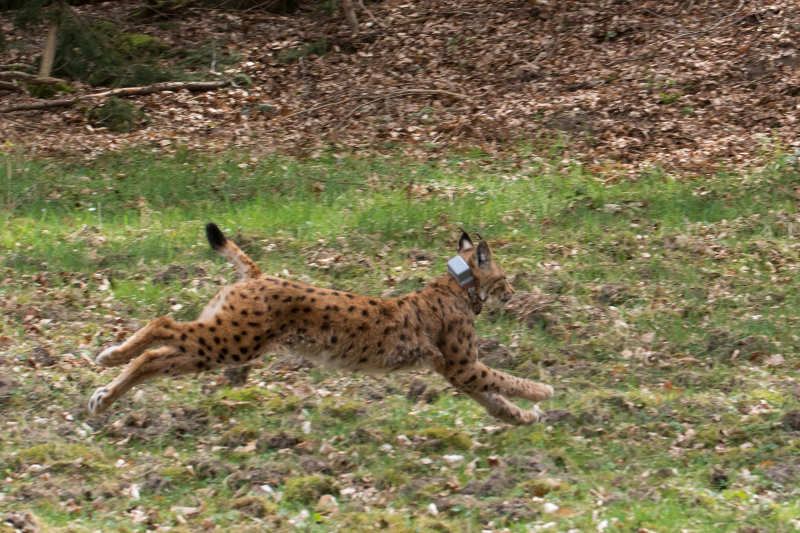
<point>464,243</point>
<point>484,255</point>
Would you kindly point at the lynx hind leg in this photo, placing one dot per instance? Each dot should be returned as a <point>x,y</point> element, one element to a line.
<point>150,364</point>
<point>163,361</point>
<point>157,331</point>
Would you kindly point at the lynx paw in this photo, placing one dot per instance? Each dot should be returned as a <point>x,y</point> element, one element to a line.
<point>100,400</point>
<point>109,356</point>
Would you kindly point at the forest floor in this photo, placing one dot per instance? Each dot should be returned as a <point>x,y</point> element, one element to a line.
<point>690,86</point>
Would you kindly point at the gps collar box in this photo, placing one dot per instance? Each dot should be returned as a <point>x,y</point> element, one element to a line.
<point>459,269</point>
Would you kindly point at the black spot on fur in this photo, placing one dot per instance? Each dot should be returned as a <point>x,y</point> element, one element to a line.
<point>183,336</point>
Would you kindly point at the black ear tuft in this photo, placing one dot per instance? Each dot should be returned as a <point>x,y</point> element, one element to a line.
<point>464,243</point>
<point>215,237</point>
<point>484,255</point>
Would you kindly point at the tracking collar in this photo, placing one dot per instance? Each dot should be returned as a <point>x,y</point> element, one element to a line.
<point>462,273</point>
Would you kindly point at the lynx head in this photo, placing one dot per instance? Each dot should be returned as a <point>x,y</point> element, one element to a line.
<point>490,278</point>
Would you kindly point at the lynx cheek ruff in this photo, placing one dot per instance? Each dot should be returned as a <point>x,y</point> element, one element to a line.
<point>459,269</point>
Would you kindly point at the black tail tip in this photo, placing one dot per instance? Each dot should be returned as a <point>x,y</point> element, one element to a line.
<point>215,237</point>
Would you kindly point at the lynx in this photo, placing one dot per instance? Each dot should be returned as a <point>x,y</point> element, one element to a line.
<point>433,327</point>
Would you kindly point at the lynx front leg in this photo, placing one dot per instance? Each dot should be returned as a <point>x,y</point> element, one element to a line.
<point>487,387</point>
<point>499,407</point>
<point>508,385</point>
<point>155,332</point>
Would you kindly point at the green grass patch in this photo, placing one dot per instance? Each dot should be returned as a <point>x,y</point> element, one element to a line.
<point>661,307</point>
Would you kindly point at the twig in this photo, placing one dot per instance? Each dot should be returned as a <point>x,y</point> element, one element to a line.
<point>681,36</point>
<point>395,94</point>
<point>123,91</point>
<point>369,14</point>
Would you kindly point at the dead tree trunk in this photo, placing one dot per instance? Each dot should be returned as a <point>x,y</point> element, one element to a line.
<point>349,11</point>
<point>49,51</point>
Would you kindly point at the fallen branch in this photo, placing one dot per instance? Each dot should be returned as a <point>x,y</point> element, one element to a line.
<point>373,97</point>
<point>123,91</point>
<point>395,94</point>
<point>31,78</point>
<point>15,66</point>
<point>8,86</point>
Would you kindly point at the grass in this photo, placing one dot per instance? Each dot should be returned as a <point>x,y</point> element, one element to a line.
<point>665,312</point>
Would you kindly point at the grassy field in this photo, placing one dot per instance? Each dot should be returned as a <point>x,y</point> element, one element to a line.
<point>663,309</point>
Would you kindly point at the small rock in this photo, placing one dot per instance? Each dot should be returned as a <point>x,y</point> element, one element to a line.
<point>791,420</point>
<point>432,509</point>
<point>430,396</point>
<point>453,460</point>
<point>557,415</point>
<point>415,390</point>
<point>549,507</point>
<point>719,479</point>
<point>41,356</point>
<point>327,504</point>
<point>21,521</point>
